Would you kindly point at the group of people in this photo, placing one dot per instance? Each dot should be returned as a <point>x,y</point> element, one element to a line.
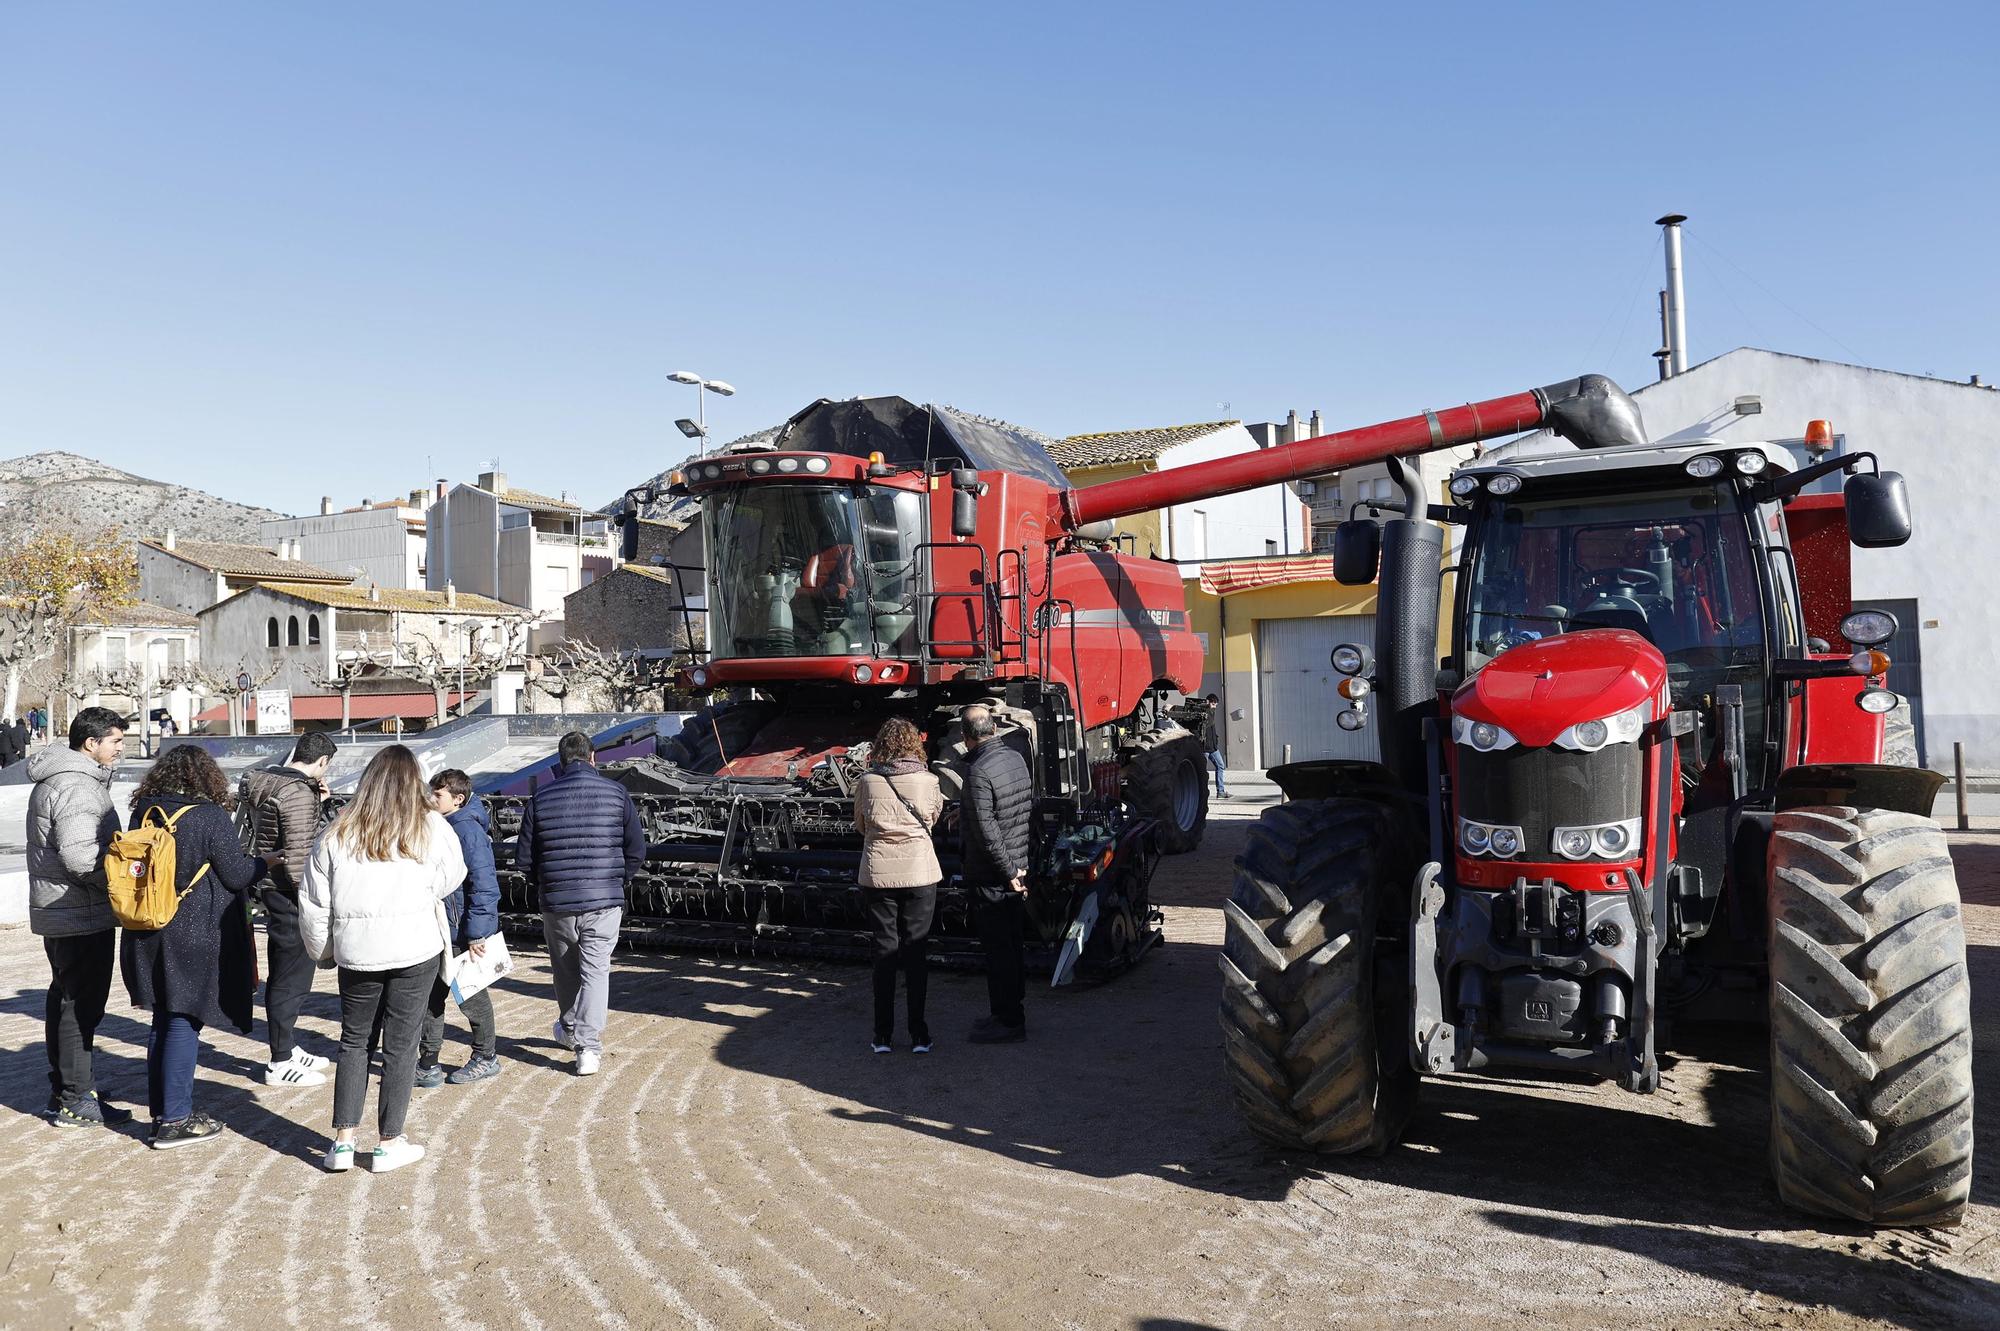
<point>400,887</point>
<point>16,738</point>
<point>391,895</point>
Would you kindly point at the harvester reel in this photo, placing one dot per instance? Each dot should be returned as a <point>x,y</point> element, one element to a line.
<point>1871,1018</point>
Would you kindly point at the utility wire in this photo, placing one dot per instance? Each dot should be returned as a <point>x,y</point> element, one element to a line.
<point>1652,258</point>
<point>1858,357</point>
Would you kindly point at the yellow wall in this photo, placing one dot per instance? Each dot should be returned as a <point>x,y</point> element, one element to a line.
<point>1145,527</point>
<point>1232,631</point>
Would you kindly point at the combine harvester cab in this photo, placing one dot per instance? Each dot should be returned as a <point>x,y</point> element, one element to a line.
<point>882,559</point>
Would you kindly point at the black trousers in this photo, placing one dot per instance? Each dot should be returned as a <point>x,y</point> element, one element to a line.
<point>80,967</point>
<point>1001,925</point>
<point>396,999</point>
<point>288,972</point>
<point>478,1011</point>
<point>900,922</point>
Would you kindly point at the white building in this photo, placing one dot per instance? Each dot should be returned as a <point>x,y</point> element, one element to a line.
<point>146,646</point>
<point>310,631</point>
<point>382,543</point>
<point>1270,520</point>
<point>191,576</point>
<point>1936,432</point>
<point>513,545</point>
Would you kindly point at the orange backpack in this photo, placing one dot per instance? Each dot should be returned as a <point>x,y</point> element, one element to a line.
<point>139,872</point>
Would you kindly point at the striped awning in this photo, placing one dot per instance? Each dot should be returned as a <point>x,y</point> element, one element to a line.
<point>1224,576</point>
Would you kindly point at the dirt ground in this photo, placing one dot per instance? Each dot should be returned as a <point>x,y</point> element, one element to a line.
<point>744,1161</point>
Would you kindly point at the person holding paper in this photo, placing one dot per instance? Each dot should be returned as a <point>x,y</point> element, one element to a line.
<point>474,911</point>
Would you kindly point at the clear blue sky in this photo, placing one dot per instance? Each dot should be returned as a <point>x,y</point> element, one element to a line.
<point>277,251</point>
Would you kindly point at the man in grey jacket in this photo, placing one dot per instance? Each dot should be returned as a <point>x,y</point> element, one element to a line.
<point>70,825</point>
<point>995,815</point>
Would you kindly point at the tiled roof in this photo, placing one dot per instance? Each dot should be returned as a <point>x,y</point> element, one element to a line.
<point>1099,450</point>
<point>391,598</point>
<point>529,499</point>
<point>245,561</point>
<point>138,615</point>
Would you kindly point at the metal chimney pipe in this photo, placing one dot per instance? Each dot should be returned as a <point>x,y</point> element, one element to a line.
<point>1677,331</point>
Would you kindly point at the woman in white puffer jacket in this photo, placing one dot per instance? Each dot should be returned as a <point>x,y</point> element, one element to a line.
<point>370,904</point>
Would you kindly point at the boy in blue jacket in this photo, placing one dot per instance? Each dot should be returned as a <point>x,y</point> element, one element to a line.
<point>474,911</point>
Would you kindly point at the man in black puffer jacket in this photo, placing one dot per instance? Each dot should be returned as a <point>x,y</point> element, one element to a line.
<point>998,807</point>
<point>581,842</point>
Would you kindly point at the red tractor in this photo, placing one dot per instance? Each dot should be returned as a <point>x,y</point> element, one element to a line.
<point>1642,786</point>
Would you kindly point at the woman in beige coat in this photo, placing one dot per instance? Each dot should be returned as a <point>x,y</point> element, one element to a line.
<point>895,805</point>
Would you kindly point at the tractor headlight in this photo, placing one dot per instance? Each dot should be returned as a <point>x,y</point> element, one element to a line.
<point>1505,483</point>
<point>1351,719</point>
<point>760,466</point>
<point>1500,840</point>
<point>1481,735</point>
<point>1603,841</point>
<point>1572,843</point>
<point>1750,463</point>
<point>1878,701</point>
<point>1619,728</point>
<point>1350,659</point>
<point>788,464</point>
<point>698,677</point>
<point>816,465</point>
<point>1461,486</point>
<point>863,673</point>
<point>1703,469</point>
<point>1868,628</point>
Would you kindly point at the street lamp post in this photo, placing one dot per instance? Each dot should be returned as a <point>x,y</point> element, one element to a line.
<point>701,386</point>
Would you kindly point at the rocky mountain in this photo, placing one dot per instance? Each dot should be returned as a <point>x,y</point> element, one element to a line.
<point>669,509</point>
<point>68,492</point>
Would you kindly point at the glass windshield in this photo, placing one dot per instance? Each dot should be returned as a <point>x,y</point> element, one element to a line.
<point>1675,566</point>
<point>812,570</point>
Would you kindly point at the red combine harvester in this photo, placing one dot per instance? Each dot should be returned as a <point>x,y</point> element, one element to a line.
<point>1643,786</point>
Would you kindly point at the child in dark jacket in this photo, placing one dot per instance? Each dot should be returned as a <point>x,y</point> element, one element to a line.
<point>474,911</point>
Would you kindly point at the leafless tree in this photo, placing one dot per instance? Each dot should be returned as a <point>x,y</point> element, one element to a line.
<point>621,681</point>
<point>230,683</point>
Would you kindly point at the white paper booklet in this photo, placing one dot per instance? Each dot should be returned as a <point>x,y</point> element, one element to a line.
<point>474,973</point>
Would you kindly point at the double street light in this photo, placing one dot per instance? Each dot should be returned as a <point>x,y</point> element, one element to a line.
<point>697,429</point>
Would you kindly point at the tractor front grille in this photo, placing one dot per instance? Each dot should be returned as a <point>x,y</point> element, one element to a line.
<point>1539,790</point>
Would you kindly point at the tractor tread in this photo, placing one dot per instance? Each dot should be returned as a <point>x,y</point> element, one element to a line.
<point>1158,759</point>
<point>1870,1009</point>
<point>1300,948</point>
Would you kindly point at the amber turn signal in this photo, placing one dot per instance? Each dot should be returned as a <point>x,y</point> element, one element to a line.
<point>1869,662</point>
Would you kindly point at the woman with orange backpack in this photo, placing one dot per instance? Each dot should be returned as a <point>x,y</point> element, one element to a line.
<point>200,968</point>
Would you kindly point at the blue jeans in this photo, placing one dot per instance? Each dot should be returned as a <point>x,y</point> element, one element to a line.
<point>1215,761</point>
<point>170,1060</point>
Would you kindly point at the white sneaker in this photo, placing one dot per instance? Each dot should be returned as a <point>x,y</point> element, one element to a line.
<point>310,1062</point>
<point>586,1062</point>
<point>292,1073</point>
<point>339,1157</point>
<point>562,1035</point>
<point>395,1154</point>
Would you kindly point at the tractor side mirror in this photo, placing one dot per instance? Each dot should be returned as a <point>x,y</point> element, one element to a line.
<point>628,536</point>
<point>1878,510</point>
<point>1357,552</point>
<point>965,489</point>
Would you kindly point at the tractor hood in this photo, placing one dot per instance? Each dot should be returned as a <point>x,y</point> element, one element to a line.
<point>1540,689</point>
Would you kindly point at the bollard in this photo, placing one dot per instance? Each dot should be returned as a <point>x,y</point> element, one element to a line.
<point>1958,770</point>
<point>1288,753</point>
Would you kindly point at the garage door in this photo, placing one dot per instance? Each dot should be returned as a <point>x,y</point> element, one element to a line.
<point>1296,702</point>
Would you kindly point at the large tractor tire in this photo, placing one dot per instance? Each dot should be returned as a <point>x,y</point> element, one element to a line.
<point>1871,1019</point>
<point>715,734</point>
<point>1314,1045</point>
<point>1166,779</point>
